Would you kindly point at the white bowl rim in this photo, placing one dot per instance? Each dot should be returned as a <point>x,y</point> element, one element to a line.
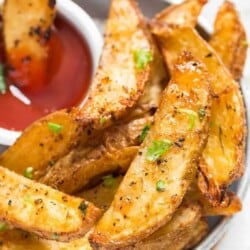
<point>85,25</point>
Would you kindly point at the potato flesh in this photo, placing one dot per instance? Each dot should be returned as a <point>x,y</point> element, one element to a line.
<point>41,210</point>
<point>229,39</point>
<point>124,222</point>
<point>222,160</point>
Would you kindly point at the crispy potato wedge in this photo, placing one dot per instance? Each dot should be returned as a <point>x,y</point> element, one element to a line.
<point>222,160</point>
<point>26,40</point>
<point>197,234</point>
<point>19,240</point>
<point>112,96</point>
<point>185,13</point>
<point>137,198</point>
<point>176,234</point>
<point>41,210</point>
<point>229,39</point>
<point>115,149</point>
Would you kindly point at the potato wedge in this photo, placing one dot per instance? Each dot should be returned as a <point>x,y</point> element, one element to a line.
<point>185,13</point>
<point>177,233</point>
<point>41,210</point>
<point>26,40</point>
<point>115,149</point>
<point>229,39</point>
<point>140,195</point>
<point>198,233</point>
<point>111,97</point>
<point>222,161</point>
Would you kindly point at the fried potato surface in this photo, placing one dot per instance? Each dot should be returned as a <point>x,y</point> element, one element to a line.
<point>185,13</point>
<point>229,39</point>
<point>140,206</point>
<point>115,148</point>
<point>41,210</point>
<point>222,160</point>
<point>112,96</point>
<point>27,27</point>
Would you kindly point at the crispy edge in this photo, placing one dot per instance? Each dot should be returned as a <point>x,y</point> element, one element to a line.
<point>229,39</point>
<point>185,13</point>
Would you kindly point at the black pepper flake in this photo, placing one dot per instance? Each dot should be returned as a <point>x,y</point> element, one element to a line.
<point>83,207</point>
<point>209,55</point>
<point>51,3</point>
<point>9,202</point>
<point>181,139</point>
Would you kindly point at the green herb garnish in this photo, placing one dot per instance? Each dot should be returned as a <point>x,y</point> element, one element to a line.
<point>160,185</point>
<point>103,120</point>
<point>245,43</point>
<point>27,198</point>
<point>55,236</point>
<point>202,114</point>
<point>54,127</point>
<point>144,133</point>
<point>83,207</point>
<point>142,57</point>
<point>157,149</point>
<point>2,81</point>
<point>191,115</point>
<point>108,180</point>
<point>3,227</point>
<point>28,173</point>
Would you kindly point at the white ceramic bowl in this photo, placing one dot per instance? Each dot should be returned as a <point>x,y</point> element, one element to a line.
<point>87,28</point>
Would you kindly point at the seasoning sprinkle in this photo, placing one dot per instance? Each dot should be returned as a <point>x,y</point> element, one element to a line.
<point>2,81</point>
<point>202,114</point>
<point>144,133</point>
<point>157,149</point>
<point>3,227</point>
<point>83,207</point>
<point>160,186</point>
<point>191,115</point>
<point>142,57</point>
<point>54,127</point>
<point>108,180</point>
<point>28,172</point>
<point>103,120</point>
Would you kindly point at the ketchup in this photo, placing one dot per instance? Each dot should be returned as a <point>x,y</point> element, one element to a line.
<point>69,77</point>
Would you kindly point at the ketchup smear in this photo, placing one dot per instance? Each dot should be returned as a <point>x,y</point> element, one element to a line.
<point>69,77</point>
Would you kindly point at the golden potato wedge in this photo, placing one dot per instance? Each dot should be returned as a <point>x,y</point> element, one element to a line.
<point>26,40</point>
<point>154,186</point>
<point>222,160</point>
<point>229,39</point>
<point>111,97</point>
<point>19,240</point>
<point>197,234</point>
<point>115,149</point>
<point>177,233</point>
<point>41,210</point>
<point>185,13</point>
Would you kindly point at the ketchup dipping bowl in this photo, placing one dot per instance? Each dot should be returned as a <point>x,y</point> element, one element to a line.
<point>74,51</point>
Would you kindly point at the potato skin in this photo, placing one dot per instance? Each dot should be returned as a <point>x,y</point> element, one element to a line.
<point>124,222</point>
<point>222,160</point>
<point>229,39</point>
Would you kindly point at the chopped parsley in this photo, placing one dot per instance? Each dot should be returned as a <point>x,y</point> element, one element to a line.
<point>157,149</point>
<point>83,207</point>
<point>2,81</point>
<point>142,57</point>
<point>160,185</point>
<point>202,114</point>
<point>3,227</point>
<point>54,127</point>
<point>108,180</point>
<point>144,133</point>
<point>191,115</point>
<point>245,43</point>
<point>55,236</point>
<point>27,198</point>
<point>103,120</point>
<point>28,173</point>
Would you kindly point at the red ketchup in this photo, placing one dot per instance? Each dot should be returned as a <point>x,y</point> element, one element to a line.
<point>67,82</point>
